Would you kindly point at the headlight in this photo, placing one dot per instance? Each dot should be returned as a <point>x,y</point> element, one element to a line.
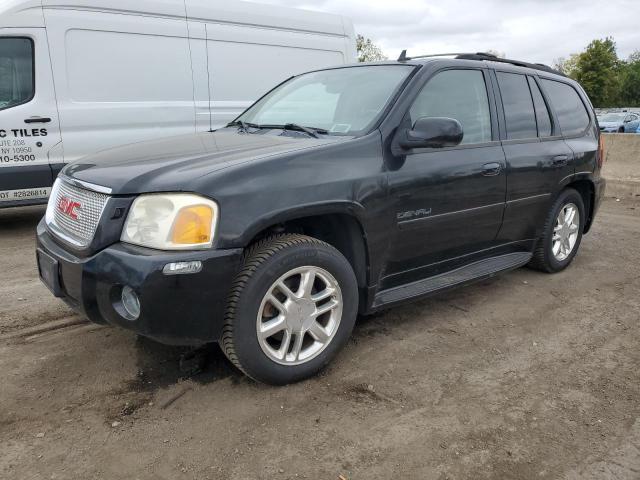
<point>177,221</point>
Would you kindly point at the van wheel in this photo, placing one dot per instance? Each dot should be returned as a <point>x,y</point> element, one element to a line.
<point>291,308</point>
<point>562,233</point>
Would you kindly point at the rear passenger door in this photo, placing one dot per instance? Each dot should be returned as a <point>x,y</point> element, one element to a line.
<point>537,156</point>
<point>574,121</point>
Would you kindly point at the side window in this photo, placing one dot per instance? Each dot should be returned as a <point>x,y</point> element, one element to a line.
<point>458,94</point>
<point>571,112</point>
<point>543,118</point>
<point>518,106</point>
<point>16,71</point>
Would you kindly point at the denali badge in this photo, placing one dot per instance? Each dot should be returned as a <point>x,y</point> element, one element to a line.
<point>411,214</point>
<point>68,207</point>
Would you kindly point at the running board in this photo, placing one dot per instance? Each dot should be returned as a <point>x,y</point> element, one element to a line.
<point>472,272</point>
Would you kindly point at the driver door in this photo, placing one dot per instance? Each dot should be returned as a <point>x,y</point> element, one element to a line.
<point>449,201</point>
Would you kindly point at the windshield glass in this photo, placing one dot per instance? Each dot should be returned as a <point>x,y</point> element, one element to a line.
<point>341,101</point>
<point>612,117</point>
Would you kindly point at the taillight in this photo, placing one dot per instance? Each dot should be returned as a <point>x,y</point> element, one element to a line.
<point>600,151</point>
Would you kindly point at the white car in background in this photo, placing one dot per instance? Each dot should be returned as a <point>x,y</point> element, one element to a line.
<point>79,76</point>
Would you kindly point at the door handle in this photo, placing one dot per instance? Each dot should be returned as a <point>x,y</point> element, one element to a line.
<point>560,160</point>
<point>37,120</point>
<point>491,169</point>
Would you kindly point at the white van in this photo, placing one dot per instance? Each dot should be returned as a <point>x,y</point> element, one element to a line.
<point>78,76</point>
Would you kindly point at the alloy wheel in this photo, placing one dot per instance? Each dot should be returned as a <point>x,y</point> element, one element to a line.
<point>565,232</point>
<point>299,315</point>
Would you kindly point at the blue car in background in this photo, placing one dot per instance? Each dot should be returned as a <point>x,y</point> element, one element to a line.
<point>619,122</point>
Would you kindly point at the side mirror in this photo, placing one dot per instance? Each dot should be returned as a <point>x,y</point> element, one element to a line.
<point>432,132</point>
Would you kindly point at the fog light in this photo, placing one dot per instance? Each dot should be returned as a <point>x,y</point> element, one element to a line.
<point>180,268</point>
<point>130,302</point>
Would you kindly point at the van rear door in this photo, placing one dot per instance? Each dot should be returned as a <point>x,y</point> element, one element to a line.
<point>29,128</point>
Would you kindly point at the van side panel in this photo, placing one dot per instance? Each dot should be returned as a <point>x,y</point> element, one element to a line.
<point>251,48</point>
<point>120,78</point>
<point>246,62</point>
<point>21,13</point>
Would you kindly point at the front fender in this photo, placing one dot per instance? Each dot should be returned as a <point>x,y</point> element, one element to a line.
<point>273,218</point>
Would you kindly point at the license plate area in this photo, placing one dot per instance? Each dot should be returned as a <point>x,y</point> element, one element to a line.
<point>49,270</point>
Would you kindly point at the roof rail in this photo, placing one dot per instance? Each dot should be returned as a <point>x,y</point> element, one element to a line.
<point>403,56</point>
<point>486,57</point>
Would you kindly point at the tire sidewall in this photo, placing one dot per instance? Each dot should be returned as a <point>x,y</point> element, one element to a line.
<point>567,196</point>
<point>254,361</point>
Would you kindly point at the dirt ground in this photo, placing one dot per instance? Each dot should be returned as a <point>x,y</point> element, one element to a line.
<point>523,376</point>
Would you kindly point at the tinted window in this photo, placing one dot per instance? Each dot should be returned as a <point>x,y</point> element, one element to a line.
<point>16,71</point>
<point>518,106</point>
<point>542,113</point>
<point>571,112</point>
<point>458,94</point>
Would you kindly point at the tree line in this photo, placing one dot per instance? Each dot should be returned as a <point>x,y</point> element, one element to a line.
<point>608,80</point>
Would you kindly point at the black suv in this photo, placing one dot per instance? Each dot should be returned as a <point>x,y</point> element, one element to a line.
<point>341,191</point>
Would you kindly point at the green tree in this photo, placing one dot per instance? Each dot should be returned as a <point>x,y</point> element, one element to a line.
<point>630,81</point>
<point>597,69</point>
<point>368,51</point>
<point>568,66</point>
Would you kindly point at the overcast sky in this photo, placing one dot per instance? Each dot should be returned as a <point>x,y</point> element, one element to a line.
<point>535,31</point>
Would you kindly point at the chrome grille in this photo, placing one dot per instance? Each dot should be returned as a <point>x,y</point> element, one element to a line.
<point>73,213</point>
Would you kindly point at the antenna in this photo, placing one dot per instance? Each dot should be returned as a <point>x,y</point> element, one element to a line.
<point>403,56</point>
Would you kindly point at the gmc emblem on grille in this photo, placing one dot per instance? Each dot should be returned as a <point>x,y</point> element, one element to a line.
<point>68,207</point>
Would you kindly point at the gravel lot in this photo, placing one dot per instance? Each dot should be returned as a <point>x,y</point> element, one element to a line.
<point>523,376</point>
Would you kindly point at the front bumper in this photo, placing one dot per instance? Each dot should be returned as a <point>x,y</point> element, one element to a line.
<point>175,309</point>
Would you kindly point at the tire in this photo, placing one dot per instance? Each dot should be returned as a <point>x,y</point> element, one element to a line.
<point>267,264</point>
<point>544,258</point>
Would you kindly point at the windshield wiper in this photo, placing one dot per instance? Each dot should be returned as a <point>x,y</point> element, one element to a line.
<point>294,126</point>
<point>311,131</point>
<point>242,124</point>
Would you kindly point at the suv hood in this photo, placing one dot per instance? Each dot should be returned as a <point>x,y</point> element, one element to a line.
<point>172,164</point>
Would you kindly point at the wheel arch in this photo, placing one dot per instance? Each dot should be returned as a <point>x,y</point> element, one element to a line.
<point>586,188</point>
<point>337,224</point>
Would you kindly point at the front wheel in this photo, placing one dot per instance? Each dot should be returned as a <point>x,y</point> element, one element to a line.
<point>291,309</point>
<point>562,233</point>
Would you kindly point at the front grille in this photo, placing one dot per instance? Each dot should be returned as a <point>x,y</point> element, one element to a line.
<point>74,213</point>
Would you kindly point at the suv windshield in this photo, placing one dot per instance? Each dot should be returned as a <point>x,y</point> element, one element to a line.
<point>343,101</point>
<point>612,117</point>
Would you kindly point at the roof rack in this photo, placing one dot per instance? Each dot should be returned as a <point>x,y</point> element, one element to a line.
<point>485,57</point>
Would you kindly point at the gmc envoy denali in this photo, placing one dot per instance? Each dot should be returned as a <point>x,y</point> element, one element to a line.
<point>341,191</point>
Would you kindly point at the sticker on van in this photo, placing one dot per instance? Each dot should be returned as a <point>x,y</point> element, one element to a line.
<point>25,194</point>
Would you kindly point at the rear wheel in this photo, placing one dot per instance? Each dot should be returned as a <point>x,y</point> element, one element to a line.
<point>291,309</point>
<point>562,233</point>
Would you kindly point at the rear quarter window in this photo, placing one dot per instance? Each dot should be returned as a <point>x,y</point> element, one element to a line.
<point>572,114</point>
